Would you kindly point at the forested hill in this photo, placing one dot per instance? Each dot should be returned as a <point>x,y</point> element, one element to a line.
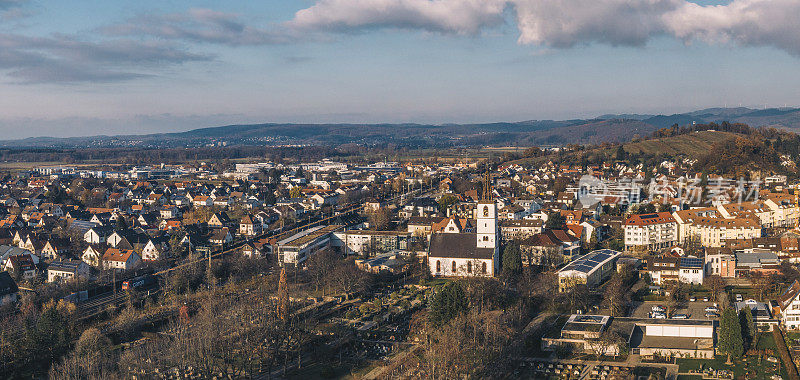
<point>606,128</point>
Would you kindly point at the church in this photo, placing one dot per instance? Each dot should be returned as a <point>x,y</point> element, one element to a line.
<point>468,254</point>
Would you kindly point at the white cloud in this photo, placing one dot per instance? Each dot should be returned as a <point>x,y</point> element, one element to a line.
<point>464,17</point>
<point>566,23</point>
<point>744,22</point>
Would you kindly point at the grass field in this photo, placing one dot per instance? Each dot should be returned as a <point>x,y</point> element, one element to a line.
<point>692,144</point>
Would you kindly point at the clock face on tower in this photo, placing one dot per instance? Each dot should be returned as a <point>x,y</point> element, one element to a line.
<point>486,211</point>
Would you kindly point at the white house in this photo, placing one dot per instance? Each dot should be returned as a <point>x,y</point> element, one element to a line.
<point>64,271</point>
<point>120,259</point>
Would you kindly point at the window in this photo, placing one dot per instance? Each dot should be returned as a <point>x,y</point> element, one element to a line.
<point>469,266</point>
<point>483,267</point>
<point>438,266</point>
<point>454,266</point>
<point>485,238</point>
<point>486,211</point>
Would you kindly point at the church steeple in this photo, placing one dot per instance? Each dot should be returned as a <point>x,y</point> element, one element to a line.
<point>487,187</point>
<point>486,217</point>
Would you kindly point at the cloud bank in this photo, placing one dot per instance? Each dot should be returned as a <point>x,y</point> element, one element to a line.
<point>566,23</point>
<point>140,45</point>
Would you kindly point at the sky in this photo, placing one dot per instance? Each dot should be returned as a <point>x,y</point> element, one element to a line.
<point>78,68</point>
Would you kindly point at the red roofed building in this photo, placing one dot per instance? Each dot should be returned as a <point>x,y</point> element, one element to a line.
<point>650,231</point>
<point>121,259</point>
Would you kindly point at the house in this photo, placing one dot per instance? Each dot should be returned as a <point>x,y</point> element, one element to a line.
<point>467,254</point>
<point>156,248</point>
<point>219,220</point>
<point>220,236</point>
<point>690,270</point>
<point>202,200</point>
<point>255,249</point>
<point>93,254</point>
<point>663,269</point>
<point>169,212</point>
<point>9,292</point>
<point>64,271</point>
<point>23,265</point>
<point>97,235</point>
<point>421,225</point>
<point>55,248</point>
<point>549,248</point>
<point>789,306</point>
<point>248,227</point>
<point>389,262</point>
<point>120,259</point>
<point>761,310</point>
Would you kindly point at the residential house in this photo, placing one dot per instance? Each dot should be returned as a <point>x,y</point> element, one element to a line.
<point>120,259</point>
<point>64,271</point>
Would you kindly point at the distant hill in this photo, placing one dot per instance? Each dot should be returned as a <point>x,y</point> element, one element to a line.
<point>693,144</point>
<point>606,128</point>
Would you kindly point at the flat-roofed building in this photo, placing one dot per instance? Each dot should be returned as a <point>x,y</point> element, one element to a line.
<point>672,337</point>
<point>370,242</point>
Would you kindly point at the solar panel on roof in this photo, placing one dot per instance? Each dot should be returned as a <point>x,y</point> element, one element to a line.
<point>648,216</point>
<point>584,268</point>
<point>602,256</point>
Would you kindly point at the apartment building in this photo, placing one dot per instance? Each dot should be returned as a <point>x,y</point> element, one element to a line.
<point>650,231</point>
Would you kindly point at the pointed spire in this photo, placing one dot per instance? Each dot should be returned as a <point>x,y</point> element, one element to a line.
<point>487,188</point>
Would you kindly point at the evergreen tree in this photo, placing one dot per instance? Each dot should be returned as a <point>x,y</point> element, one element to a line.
<point>730,334</point>
<point>748,327</point>
<point>512,259</point>
<point>448,303</point>
<point>50,337</point>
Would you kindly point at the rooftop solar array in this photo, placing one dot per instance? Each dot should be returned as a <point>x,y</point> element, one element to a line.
<point>591,260</point>
<point>648,216</point>
<point>691,262</point>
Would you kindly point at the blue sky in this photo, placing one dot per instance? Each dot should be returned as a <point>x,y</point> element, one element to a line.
<point>113,67</point>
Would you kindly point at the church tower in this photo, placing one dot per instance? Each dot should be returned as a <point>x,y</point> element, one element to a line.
<point>486,218</point>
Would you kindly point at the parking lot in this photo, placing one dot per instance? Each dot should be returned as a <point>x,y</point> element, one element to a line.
<point>695,310</point>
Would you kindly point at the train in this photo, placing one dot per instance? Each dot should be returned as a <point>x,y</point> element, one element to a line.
<point>139,282</point>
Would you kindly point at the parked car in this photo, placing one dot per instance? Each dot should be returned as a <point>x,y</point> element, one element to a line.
<point>658,309</point>
<point>711,314</point>
<point>659,316</point>
<point>739,298</point>
<point>705,299</point>
<point>680,316</point>
<point>693,299</point>
<point>711,309</point>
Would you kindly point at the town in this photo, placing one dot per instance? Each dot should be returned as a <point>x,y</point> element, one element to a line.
<point>528,264</point>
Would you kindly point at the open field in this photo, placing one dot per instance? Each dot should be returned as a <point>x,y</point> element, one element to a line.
<point>692,144</point>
